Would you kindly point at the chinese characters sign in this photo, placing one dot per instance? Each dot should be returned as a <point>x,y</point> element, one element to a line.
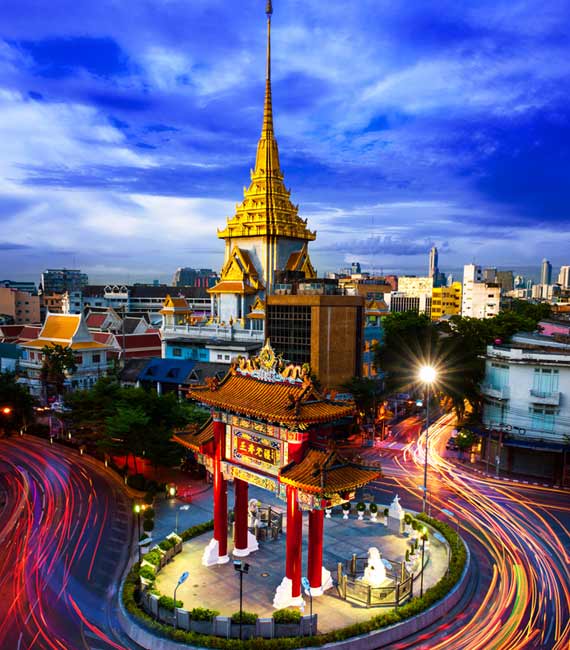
<point>258,451</point>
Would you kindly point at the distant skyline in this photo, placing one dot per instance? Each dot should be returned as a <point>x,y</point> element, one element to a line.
<point>128,131</point>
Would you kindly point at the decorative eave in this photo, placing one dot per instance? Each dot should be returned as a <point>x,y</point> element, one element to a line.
<point>196,440</point>
<point>328,473</point>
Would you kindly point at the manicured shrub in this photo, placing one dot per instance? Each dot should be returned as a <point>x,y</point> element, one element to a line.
<point>373,508</point>
<point>153,557</point>
<point>386,511</point>
<point>203,614</point>
<point>148,525</point>
<point>407,518</point>
<point>148,513</point>
<point>149,498</point>
<point>346,505</point>
<point>147,572</point>
<point>168,603</point>
<point>287,616</point>
<point>167,544</point>
<point>247,618</point>
<point>360,506</point>
<point>137,482</point>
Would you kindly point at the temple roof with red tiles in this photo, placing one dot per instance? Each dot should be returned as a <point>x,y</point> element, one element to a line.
<point>325,473</point>
<point>266,389</point>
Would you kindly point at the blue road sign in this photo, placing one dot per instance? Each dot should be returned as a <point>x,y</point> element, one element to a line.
<point>306,584</point>
<point>183,577</point>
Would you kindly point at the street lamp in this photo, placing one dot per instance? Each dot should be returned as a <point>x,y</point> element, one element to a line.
<point>307,587</point>
<point>427,376</point>
<point>185,507</point>
<point>137,510</point>
<point>242,567</point>
<point>424,537</point>
<point>182,579</point>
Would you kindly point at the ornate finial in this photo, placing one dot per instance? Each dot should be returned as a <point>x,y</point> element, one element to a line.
<point>268,8</point>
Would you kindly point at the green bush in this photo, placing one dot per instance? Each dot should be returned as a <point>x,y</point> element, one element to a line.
<point>137,482</point>
<point>287,616</point>
<point>153,557</point>
<point>407,518</point>
<point>149,498</point>
<point>386,511</point>
<point>148,525</point>
<point>247,618</point>
<point>360,506</point>
<point>167,544</point>
<point>203,614</point>
<point>148,513</point>
<point>147,572</point>
<point>195,531</point>
<point>346,505</point>
<point>168,603</point>
<point>373,508</point>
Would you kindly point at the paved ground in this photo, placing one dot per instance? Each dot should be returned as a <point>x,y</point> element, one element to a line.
<point>218,587</point>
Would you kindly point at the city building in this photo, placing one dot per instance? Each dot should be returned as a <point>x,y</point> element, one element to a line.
<point>479,299</point>
<point>10,353</point>
<point>322,329</point>
<point>527,405</point>
<point>68,331</point>
<point>20,306</point>
<point>62,280</point>
<point>402,302</point>
<point>446,301</point>
<point>433,264</point>
<point>369,287</point>
<point>414,286</point>
<point>564,277</point>
<point>27,287</point>
<point>546,272</point>
<point>506,280</point>
<point>51,303</point>
<point>490,274</point>
<point>188,277</point>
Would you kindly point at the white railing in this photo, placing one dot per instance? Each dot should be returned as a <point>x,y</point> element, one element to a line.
<point>224,332</point>
<point>498,392</point>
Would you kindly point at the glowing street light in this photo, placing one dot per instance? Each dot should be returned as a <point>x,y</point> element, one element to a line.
<point>427,375</point>
<point>6,410</point>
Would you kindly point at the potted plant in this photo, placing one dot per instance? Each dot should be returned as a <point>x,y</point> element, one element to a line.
<point>345,509</point>
<point>415,532</point>
<point>201,620</point>
<point>407,523</point>
<point>248,624</point>
<point>287,622</point>
<point>328,512</point>
<point>373,512</point>
<point>360,508</point>
<point>386,511</point>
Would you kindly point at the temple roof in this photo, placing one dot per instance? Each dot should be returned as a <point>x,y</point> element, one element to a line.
<point>266,209</point>
<point>264,387</point>
<point>194,440</point>
<point>326,473</point>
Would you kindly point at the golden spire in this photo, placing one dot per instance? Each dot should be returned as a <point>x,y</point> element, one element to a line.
<point>267,209</point>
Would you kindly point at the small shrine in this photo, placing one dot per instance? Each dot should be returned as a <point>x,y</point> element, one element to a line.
<point>271,427</point>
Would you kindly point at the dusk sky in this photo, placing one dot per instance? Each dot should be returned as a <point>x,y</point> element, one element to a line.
<point>127,130</point>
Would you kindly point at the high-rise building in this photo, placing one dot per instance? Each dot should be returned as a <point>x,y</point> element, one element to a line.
<point>506,280</point>
<point>446,301</point>
<point>480,299</point>
<point>189,277</point>
<point>564,277</point>
<point>415,286</point>
<point>433,263</point>
<point>490,274</point>
<point>546,272</point>
<point>62,280</point>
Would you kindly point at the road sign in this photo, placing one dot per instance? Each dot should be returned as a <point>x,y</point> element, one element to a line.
<point>306,584</point>
<point>183,577</point>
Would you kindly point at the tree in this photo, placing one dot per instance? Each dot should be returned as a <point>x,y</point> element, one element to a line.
<point>125,430</point>
<point>17,399</point>
<point>57,362</point>
<point>367,394</point>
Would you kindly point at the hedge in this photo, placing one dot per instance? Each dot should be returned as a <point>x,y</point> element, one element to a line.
<point>147,572</point>
<point>287,616</point>
<point>167,544</point>
<point>168,603</point>
<point>247,618</point>
<point>203,614</point>
<point>412,608</point>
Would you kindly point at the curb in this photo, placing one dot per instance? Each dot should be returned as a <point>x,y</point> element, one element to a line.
<point>508,479</point>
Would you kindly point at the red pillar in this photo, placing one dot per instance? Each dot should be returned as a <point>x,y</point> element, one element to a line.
<point>294,541</point>
<point>220,491</point>
<point>240,516</point>
<point>315,557</point>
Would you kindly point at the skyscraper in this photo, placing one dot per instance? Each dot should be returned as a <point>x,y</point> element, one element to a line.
<point>564,277</point>
<point>433,263</point>
<point>546,272</point>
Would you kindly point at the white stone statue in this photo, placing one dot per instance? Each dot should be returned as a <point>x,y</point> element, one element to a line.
<point>252,513</point>
<point>375,571</point>
<point>396,509</point>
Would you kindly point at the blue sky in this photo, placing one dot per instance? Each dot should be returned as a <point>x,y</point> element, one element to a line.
<point>127,130</point>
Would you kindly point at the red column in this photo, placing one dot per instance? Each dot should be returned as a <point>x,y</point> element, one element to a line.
<point>315,557</point>
<point>220,491</point>
<point>240,515</point>
<point>294,541</point>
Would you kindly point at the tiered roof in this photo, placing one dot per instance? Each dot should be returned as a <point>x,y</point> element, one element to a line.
<point>195,440</point>
<point>325,473</point>
<point>68,331</point>
<point>266,389</point>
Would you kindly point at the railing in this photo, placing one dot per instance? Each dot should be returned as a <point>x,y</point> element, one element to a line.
<point>223,332</point>
<point>498,392</point>
<point>350,585</point>
<point>545,397</point>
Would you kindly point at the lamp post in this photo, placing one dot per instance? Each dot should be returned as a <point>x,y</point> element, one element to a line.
<point>6,412</point>
<point>307,587</point>
<point>137,510</point>
<point>424,537</point>
<point>182,579</point>
<point>185,507</point>
<point>241,567</point>
<point>427,376</point>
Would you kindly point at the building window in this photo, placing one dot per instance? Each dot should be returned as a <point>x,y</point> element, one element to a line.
<point>176,352</point>
<point>543,418</point>
<point>289,330</point>
<point>96,358</point>
<point>545,381</point>
<point>78,359</point>
<point>227,357</point>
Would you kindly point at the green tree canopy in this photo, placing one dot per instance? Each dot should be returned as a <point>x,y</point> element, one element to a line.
<point>57,361</point>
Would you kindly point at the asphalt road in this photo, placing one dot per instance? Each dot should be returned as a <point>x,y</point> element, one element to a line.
<point>519,591</point>
<point>65,533</point>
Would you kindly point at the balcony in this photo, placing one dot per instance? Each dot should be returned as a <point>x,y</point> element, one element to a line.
<point>496,392</point>
<point>222,332</point>
<point>551,398</point>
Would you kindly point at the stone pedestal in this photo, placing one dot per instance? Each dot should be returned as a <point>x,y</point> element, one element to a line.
<point>396,516</point>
